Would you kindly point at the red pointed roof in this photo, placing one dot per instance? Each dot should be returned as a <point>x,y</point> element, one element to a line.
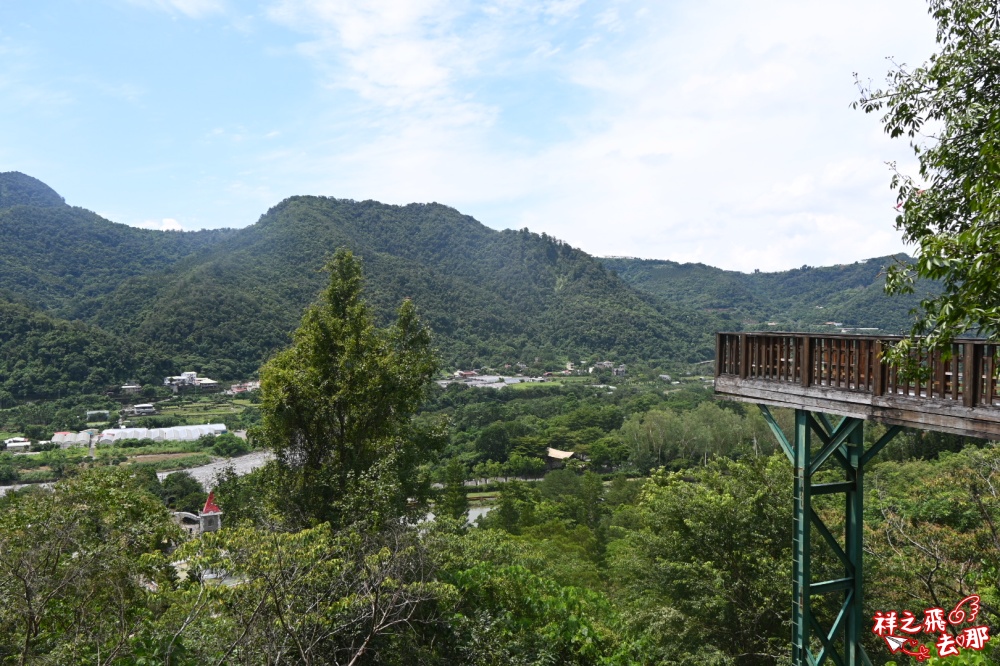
<point>210,505</point>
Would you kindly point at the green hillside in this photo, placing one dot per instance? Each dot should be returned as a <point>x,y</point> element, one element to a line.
<point>18,189</point>
<point>43,357</point>
<point>489,296</point>
<point>800,299</point>
<point>221,302</point>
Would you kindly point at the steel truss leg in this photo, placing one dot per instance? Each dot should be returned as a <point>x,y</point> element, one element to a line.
<point>843,442</point>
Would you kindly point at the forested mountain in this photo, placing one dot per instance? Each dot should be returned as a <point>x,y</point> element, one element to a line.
<point>802,298</point>
<point>18,189</point>
<point>220,302</point>
<point>489,296</point>
<point>146,303</point>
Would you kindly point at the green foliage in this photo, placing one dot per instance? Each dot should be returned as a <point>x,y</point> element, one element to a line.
<point>453,501</point>
<point>8,474</point>
<point>336,405</point>
<point>313,596</point>
<point>950,212</point>
<point>705,571</point>
<point>45,357</point>
<point>229,445</point>
<point>73,557</point>
<point>18,189</point>
<point>182,492</point>
<point>799,299</point>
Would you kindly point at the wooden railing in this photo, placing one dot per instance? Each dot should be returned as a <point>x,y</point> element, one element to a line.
<point>854,363</point>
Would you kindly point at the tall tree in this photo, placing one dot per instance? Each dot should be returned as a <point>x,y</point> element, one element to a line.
<point>453,501</point>
<point>949,109</point>
<point>336,406</point>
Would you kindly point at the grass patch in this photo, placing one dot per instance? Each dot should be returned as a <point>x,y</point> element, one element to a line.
<point>37,476</point>
<point>158,448</point>
<point>168,462</point>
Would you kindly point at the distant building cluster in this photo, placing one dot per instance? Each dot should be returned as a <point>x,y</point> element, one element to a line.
<point>475,380</point>
<point>617,371</point>
<point>190,380</point>
<point>243,387</point>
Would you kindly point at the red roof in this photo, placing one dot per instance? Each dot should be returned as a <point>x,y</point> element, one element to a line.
<point>210,505</point>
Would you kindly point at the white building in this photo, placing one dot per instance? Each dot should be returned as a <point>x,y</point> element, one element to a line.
<point>209,519</point>
<point>190,380</point>
<point>16,444</point>
<point>175,434</point>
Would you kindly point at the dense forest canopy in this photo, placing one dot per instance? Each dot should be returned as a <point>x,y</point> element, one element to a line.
<point>802,298</point>
<point>18,189</point>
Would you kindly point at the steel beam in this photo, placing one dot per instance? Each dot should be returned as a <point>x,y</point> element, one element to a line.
<point>840,643</point>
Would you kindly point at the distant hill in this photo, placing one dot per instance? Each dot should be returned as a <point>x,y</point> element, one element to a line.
<point>800,299</point>
<point>221,302</point>
<point>18,189</point>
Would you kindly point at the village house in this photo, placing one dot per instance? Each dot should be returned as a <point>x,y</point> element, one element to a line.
<point>209,519</point>
<point>190,381</point>
<point>17,444</point>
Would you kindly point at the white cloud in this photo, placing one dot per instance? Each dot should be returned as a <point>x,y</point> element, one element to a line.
<point>166,224</point>
<point>711,131</point>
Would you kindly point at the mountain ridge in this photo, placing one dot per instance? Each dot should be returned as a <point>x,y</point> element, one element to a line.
<point>222,301</point>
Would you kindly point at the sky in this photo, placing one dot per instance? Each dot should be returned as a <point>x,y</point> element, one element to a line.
<point>693,130</point>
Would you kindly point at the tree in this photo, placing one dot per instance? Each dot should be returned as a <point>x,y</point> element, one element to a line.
<point>74,563</point>
<point>453,502</point>
<point>229,445</point>
<point>309,597</point>
<point>182,492</point>
<point>949,109</point>
<point>710,548</point>
<point>336,406</point>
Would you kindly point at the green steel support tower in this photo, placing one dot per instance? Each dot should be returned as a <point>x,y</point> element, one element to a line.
<point>843,443</point>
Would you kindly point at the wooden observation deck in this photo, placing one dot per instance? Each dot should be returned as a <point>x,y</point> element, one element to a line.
<point>845,375</point>
<point>818,375</point>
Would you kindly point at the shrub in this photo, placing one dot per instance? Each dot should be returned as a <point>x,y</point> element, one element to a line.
<point>8,475</point>
<point>229,445</point>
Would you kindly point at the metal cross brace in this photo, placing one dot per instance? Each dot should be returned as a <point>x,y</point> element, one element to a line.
<point>844,443</point>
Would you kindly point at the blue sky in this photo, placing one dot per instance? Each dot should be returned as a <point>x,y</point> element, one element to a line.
<point>704,131</point>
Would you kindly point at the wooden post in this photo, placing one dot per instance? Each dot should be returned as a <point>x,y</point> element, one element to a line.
<point>718,354</point>
<point>878,368</point>
<point>807,366</point>
<point>971,373</point>
<point>744,356</point>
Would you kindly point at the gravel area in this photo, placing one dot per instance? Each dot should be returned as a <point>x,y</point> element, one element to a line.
<point>242,465</point>
<point>6,489</point>
<point>205,473</point>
